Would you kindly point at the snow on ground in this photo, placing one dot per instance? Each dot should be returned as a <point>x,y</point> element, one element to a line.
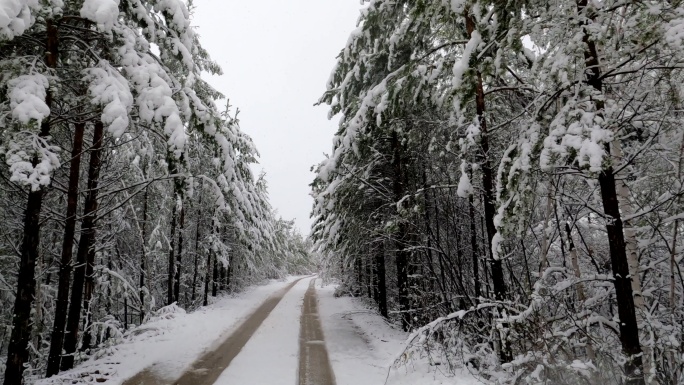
<point>270,357</point>
<point>362,347</point>
<point>172,342</point>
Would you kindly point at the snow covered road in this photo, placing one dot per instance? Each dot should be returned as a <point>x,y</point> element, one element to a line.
<point>280,343</point>
<point>270,356</point>
<point>283,333</point>
<point>314,366</point>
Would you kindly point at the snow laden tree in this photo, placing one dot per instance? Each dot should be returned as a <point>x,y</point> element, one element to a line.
<point>137,188</point>
<point>417,67</point>
<point>606,106</point>
<point>524,159</point>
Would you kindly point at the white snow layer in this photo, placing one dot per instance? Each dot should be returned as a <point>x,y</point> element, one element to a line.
<point>109,89</point>
<point>362,347</point>
<point>103,12</point>
<point>16,17</point>
<point>272,354</point>
<point>465,189</point>
<point>27,95</point>
<point>172,341</point>
<point>27,98</point>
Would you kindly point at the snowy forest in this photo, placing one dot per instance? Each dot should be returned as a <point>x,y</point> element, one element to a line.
<point>124,187</point>
<point>504,189</point>
<point>506,183</point>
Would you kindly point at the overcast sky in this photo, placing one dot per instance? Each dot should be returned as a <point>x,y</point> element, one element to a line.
<point>277,56</point>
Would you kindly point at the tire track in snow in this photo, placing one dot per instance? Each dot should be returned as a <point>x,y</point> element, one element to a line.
<point>207,369</point>
<point>314,365</point>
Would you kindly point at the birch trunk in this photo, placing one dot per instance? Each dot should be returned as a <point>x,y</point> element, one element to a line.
<point>629,330</point>
<point>632,255</point>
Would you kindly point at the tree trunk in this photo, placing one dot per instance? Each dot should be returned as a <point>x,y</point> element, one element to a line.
<point>197,253</point>
<point>125,313</point>
<point>581,297</point>
<point>675,231</point>
<point>85,246</point>
<point>229,272</point>
<point>88,295</point>
<point>381,284</point>
<point>38,306</point>
<point>630,234</point>
<point>631,250</point>
<point>93,177</point>
<point>430,234</point>
<point>172,258</point>
<point>629,330</point>
<point>62,305</point>
<point>177,275</point>
<point>500,289</point>
<point>474,250</point>
<point>401,253</point>
<point>207,274</point>
<point>17,350</point>
<point>369,279</point>
<point>545,246</point>
<point>143,259</point>
<point>222,278</point>
<point>215,278</point>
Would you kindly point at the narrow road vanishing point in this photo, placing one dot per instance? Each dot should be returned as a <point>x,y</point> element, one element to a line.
<point>314,366</point>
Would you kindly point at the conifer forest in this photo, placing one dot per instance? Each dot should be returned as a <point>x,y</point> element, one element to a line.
<point>501,203</point>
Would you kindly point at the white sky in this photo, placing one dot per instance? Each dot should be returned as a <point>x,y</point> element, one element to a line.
<point>277,56</point>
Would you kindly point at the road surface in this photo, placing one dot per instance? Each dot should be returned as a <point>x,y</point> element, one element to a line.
<point>264,348</point>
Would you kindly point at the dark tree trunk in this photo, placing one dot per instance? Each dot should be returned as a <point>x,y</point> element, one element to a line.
<point>374,283</point>
<point>207,274</point>
<point>17,350</point>
<point>629,330</point>
<point>222,279</point>
<point>215,278</point>
<point>125,313</point>
<point>430,235</point>
<point>498,280</point>
<point>93,177</point>
<point>172,258</point>
<point>143,259</point>
<point>369,280</point>
<point>179,256</point>
<point>62,305</point>
<point>88,290</point>
<point>382,286</point>
<point>197,253</point>
<point>359,277</point>
<point>85,246</point>
<point>487,179</point>
<point>229,272</point>
<point>401,236</point>
<point>474,250</point>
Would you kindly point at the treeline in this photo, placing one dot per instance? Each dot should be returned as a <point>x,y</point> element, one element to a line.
<point>126,188</point>
<point>506,182</point>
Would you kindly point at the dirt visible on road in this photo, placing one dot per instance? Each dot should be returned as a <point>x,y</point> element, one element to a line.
<point>314,366</point>
<point>211,364</point>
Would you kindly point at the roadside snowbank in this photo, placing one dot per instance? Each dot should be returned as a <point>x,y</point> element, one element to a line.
<point>170,342</point>
<point>362,347</point>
